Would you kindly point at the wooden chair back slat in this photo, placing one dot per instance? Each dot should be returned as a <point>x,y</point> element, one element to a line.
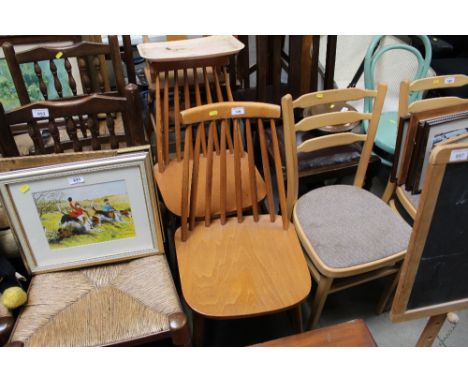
<point>266,169</point>
<point>42,85</point>
<point>252,176</point>
<point>185,184</point>
<point>223,173</point>
<point>241,161</point>
<point>85,75</point>
<point>159,127</point>
<point>335,118</point>
<point>209,173</point>
<point>69,119</point>
<point>71,80</point>
<point>237,170</point>
<point>72,134</point>
<point>279,173</point>
<point>195,171</point>
<point>227,83</point>
<point>54,132</point>
<point>196,85</point>
<point>219,93</point>
<point>166,117</point>
<point>176,115</point>
<point>333,95</point>
<point>57,83</point>
<point>330,141</point>
<point>209,98</point>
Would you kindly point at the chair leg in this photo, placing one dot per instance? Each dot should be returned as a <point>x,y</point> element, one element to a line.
<point>180,329</point>
<point>387,293</point>
<point>323,288</point>
<point>198,329</point>
<point>388,192</point>
<point>295,315</point>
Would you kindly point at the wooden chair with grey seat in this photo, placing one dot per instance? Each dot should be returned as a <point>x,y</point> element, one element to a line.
<point>349,235</point>
<point>245,265</point>
<point>395,190</point>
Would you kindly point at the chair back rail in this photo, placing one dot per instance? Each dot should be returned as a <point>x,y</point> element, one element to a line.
<point>239,121</point>
<point>90,60</point>
<point>78,115</point>
<point>181,85</point>
<point>326,141</point>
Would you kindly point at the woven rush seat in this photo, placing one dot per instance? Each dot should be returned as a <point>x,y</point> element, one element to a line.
<point>348,226</point>
<point>170,185</point>
<point>102,305</point>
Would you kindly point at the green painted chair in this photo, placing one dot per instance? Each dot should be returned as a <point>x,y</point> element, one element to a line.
<point>387,130</point>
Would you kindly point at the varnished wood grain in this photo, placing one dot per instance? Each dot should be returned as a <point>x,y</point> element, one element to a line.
<point>348,334</point>
<point>239,270</point>
<point>170,184</point>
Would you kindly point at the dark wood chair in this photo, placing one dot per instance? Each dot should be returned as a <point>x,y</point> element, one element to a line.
<point>90,58</point>
<point>82,130</point>
<point>250,264</point>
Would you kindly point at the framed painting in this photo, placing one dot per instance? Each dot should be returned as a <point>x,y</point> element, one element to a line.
<point>83,213</point>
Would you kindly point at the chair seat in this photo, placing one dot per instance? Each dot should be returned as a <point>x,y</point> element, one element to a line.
<point>170,185</point>
<point>101,305</point>
<point>348,228</point>
<point>239,270</point>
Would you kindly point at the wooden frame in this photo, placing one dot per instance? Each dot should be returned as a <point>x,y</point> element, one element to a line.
<point>440,159</point>
<point>145,240</point>
<point>393,189</point>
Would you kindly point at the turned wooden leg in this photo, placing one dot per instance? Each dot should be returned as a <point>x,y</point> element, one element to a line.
<point>180,329</point>
<point>323,288</point>
<point>295,314</point>
<point>198,329</point>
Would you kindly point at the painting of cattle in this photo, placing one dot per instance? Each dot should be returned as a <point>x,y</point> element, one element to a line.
<point>85,214</point>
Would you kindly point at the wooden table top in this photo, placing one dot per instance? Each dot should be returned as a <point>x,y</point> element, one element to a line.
<point>194,48</point>
<point>331,108</point>
<point>348,334</point>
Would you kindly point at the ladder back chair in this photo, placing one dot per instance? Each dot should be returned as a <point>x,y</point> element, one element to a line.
<point>249,264</point>
<point>82,131</point>
<point>123,303</point>
<point>349,235</point>
<point>90,58</point>
<point>395,189</point>
<point>181,81</point>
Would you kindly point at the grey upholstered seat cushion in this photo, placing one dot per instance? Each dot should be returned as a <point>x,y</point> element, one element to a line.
<point>348,226</point>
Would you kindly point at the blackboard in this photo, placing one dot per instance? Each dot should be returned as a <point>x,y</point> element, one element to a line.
<point>434,276</point>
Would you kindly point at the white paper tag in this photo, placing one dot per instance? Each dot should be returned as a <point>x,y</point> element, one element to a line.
<point>449,80</point>
<point>344,108</point>
<point>237,110</point>
<point>40,113</point>
<point>458,155</point>
<point>75,179</point>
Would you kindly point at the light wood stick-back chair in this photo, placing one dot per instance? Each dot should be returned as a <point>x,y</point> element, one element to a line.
<point>395,189</point>
<point>350,236</point>
<point>248,264</point>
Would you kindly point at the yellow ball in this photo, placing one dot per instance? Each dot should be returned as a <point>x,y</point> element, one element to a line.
<point>14,297</point>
